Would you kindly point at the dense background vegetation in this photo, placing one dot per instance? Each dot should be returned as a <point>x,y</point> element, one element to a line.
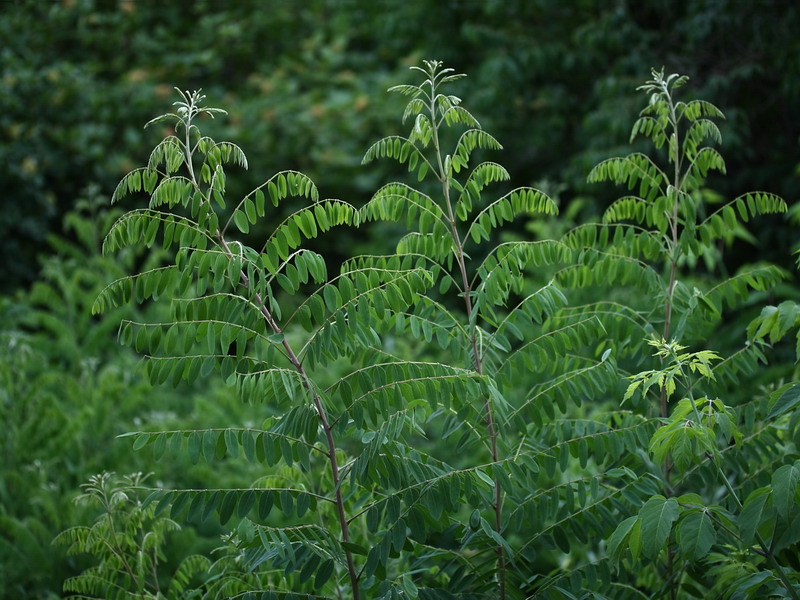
<point>304,85</point>
<point>80,76</point>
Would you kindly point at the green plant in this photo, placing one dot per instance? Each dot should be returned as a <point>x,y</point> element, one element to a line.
<point>128,542</point>
<point>65,390</point>
<point>441,422</point>
<point>227,315</point>
<point>502,333</point>
<point>667,227</point>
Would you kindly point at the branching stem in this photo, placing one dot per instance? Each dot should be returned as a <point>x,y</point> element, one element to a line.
<point>298,366</point>
<point>673,265</point>
<point>766,551</point>
<point>444,179</point>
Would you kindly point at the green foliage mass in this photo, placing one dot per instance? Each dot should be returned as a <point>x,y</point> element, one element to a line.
<point>461,418</point>
<point>67,391</point>
<point>440,386</point>
<point>80,76</point>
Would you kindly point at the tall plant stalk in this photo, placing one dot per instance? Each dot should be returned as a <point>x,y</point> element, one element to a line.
<point>290,354</point>
<point>669,225</point>
<point>444,178</point>
<point>442,242</point>
<point>248,314</point>
<point>674,256</point>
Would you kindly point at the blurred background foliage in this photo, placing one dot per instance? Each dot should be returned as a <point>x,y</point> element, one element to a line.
<point>304,83</point>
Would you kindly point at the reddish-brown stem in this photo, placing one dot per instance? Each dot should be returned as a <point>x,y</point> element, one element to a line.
<point>293,359</point>
<point>490,424</point>
<point>323,417</point>
<point>478,362</point>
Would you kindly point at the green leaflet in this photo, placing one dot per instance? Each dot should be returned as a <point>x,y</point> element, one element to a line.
<point>620,540</point>
<point>753,512</point>
<point>784,484</point>
<point>786,400</point>
<point>696,534</point>
<point>657,516</point>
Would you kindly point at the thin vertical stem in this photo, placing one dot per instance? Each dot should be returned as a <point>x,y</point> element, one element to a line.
<point>298,366</point>
<point>668,303</point>
<point>491,427</point>
<point>674,246</point>
<point>326,427</point>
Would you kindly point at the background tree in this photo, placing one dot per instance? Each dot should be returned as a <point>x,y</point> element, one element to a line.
<point>79,75</point>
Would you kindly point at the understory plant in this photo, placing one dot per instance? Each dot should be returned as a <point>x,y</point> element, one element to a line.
<point>698,536</point>
<point>128,541</point>
<point>473,414</point>
<point>490,314</point>
<point>62,387</point>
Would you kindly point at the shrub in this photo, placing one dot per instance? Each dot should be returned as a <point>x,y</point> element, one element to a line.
<point>442,422</point>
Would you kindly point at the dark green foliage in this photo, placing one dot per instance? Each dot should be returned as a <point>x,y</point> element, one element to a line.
<point>64,387</point>
<point>80,76</point>
<point>447,421</point>
<point>552,83</point>
<point>128,540</point>
<point>672,229</point>
<point>524,375</point>
<point>67,391</point>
